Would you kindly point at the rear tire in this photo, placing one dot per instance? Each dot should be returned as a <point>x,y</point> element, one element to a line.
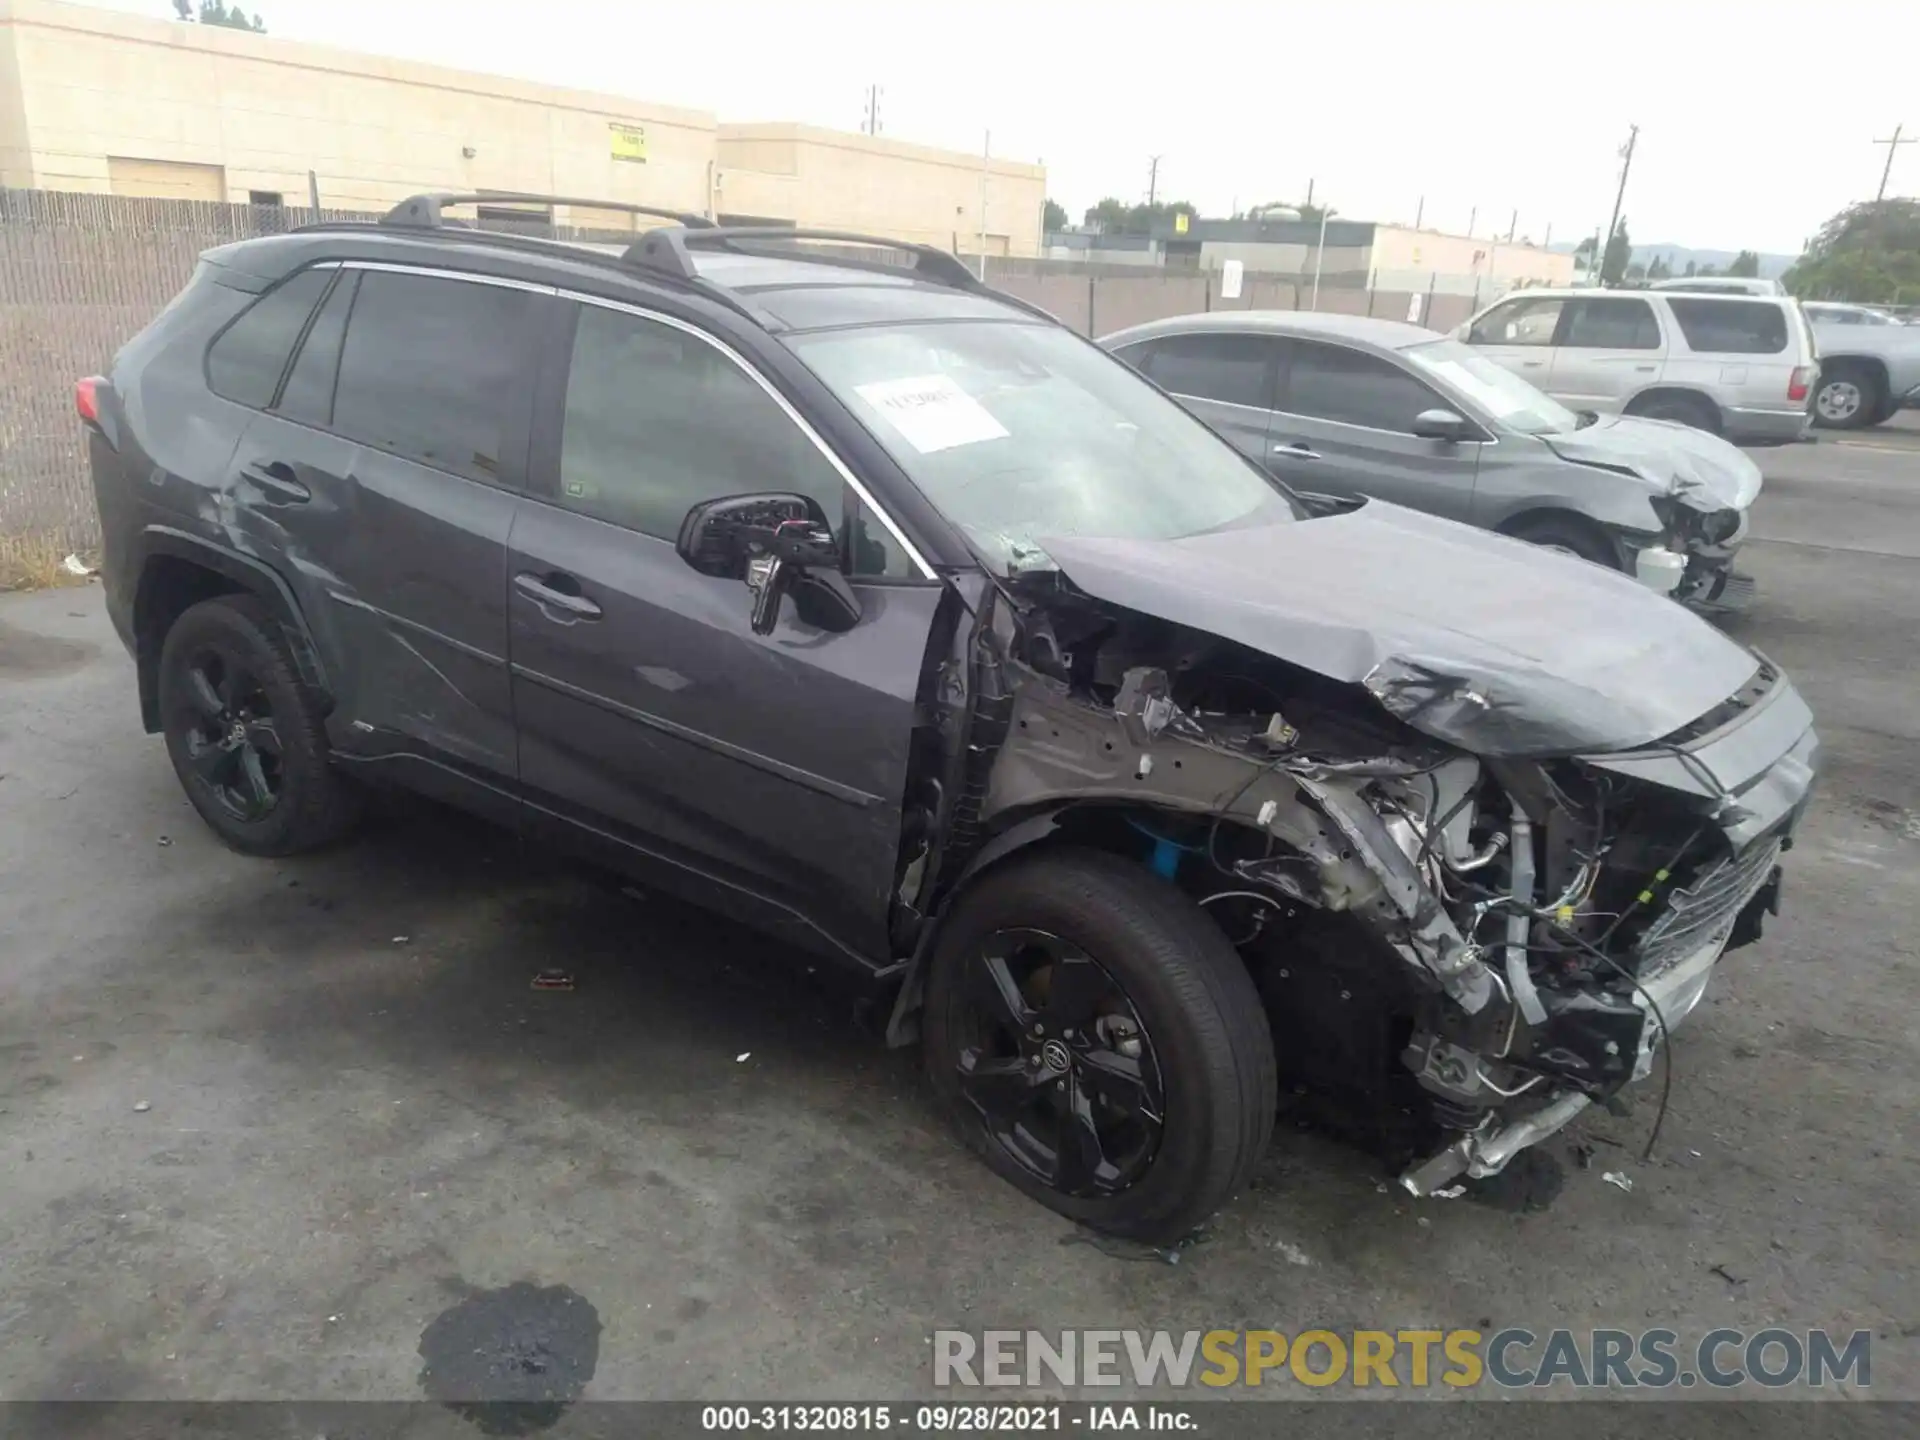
<point>1568,536</point>
<point>245,734</point>
<point>1848,398</point>
<point>1203,1051</point>
<point>1682,409</point>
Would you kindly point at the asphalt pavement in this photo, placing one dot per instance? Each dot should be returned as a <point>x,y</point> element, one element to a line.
<point>288,1129</point>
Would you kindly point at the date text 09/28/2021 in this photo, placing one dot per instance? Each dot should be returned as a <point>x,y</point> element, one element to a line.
<point>947,1419</point>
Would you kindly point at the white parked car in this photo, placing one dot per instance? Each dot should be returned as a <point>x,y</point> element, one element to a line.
<point>1741,366</point>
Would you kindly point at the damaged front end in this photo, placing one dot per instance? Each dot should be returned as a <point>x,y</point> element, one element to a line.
<point>1460,946</point>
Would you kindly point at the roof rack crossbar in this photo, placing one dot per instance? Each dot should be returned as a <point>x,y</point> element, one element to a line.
<point>422,212</point>
<point>666,249</point>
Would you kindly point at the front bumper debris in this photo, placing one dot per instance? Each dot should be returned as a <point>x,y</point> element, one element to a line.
<point>1676,989</point>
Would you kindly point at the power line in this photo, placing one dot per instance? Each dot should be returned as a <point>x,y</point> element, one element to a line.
<point>1893,143</point>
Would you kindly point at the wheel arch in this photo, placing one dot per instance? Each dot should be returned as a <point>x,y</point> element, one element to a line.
<point>1099,827</point>
<point>1655,393</point>
<point>1514,525</point>
<point>178,571</point>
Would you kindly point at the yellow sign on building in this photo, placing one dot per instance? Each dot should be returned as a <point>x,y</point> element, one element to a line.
<point>629,141</point>
<point>1180,223</point>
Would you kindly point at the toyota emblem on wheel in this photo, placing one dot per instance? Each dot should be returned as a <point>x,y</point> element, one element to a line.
<point>1056,1056</point>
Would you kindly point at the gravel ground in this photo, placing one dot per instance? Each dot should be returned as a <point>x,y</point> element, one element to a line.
<point>276,1129</point>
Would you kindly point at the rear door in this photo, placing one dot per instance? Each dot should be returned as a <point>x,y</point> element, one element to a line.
<point>383,472</point>
<point>1227,380</point>
<point>1344,427</point>
<point>764,773</point>
<point>1607,350</point>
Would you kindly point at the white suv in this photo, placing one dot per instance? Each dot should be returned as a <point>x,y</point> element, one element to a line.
<point>1742,366</point>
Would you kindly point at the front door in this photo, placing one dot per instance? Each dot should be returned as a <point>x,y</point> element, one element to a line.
<point>763,772</point>
<point>383,471</point>
<point>1517,334</point>
<point>1344,427</point>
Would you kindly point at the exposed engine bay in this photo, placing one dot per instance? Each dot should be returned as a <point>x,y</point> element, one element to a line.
<point>1458,952</point>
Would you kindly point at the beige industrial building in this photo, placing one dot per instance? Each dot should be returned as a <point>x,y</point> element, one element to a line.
<point>101,101</point>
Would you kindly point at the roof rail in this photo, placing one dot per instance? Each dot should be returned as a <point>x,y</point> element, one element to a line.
<point>666,250</point>
<point>422,212</point>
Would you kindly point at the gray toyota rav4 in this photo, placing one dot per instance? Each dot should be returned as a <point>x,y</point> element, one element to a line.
<point>833,590</point>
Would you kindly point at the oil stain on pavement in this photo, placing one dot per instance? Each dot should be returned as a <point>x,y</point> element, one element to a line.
<point>511,1360</point>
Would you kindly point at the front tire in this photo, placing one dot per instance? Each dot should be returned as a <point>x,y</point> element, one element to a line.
<point>1569,537</point>
<point>1099,1043</point>
<point>245,734</point>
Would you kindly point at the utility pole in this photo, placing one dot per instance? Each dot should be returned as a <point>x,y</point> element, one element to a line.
<point>1892,144</point>
<point>870,125</point>
<point>986,153</point>
<point>1613,225</point>
<point>1512,226</point>
<point>1419,211</point>
<point>1153,178</point>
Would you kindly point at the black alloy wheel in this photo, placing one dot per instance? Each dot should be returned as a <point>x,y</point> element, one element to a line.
<point>229,737</point>
<point>247,736</point>
<point>1054,1058</point>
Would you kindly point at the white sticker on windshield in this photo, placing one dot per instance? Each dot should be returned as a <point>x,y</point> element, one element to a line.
<point>932,413</point>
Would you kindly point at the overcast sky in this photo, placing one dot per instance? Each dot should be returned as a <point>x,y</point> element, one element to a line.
<point>1481,106</point>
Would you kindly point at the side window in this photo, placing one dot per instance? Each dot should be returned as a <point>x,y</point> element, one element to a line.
<point>308,394</point>
<point>1331,382</point>
<point>658,420</point>
<point>429,369</point>
<point>248,357</point>
<point>1732,327</point>
<point>1229,368</point>
<point>1518,322</point>
<point>1612,324</point>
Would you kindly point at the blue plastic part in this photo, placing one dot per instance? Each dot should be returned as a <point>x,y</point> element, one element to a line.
<point>1166,857</point>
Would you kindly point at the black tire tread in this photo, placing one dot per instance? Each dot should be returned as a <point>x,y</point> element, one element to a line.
<point>327,805</point>
<point>1207,980</point>
<point>1567,531</point>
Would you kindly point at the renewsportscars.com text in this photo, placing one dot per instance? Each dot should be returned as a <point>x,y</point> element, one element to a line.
<point>1513,1358</point>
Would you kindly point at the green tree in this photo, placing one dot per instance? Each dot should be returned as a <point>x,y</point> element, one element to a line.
<point>1618,254</point>
<point>213,12</point>
<point>1583,252</point>
<point>1053,216</point>
<point>1660,269</point>
<point>1869,252</point>
<point>1693,269</point>
<point>1116,217</point>
<point>1746,264</point>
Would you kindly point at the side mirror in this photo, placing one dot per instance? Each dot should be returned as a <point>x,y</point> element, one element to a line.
<point>778,544</point>
<point>1440,425</point>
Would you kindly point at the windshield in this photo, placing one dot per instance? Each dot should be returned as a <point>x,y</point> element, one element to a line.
<point>1498,391</point>
<point>1021,432</point>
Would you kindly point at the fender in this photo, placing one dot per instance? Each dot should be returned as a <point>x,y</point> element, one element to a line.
<point>246,573</point>
<point>902,1027</point>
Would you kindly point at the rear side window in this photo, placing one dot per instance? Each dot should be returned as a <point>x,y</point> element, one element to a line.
<point>1228,368</point>
<point>1611,324</point>
<point>308,394</point>
<point>430,367</point>
<point>1331,382</point>
<point>249,356</point>
<point>1732,327</point>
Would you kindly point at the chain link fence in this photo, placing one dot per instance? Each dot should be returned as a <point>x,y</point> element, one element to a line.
<point>80,274</point>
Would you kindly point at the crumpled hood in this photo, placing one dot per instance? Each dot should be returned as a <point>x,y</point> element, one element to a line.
<point>1487,643</point>
<point>1701,470</point>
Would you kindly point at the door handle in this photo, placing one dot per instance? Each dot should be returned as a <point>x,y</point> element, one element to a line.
<point>275,479</point>
<point>1296,450</point>
<point>1532,364</point>
<point>1646,369</point>
<point>544,591</point>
